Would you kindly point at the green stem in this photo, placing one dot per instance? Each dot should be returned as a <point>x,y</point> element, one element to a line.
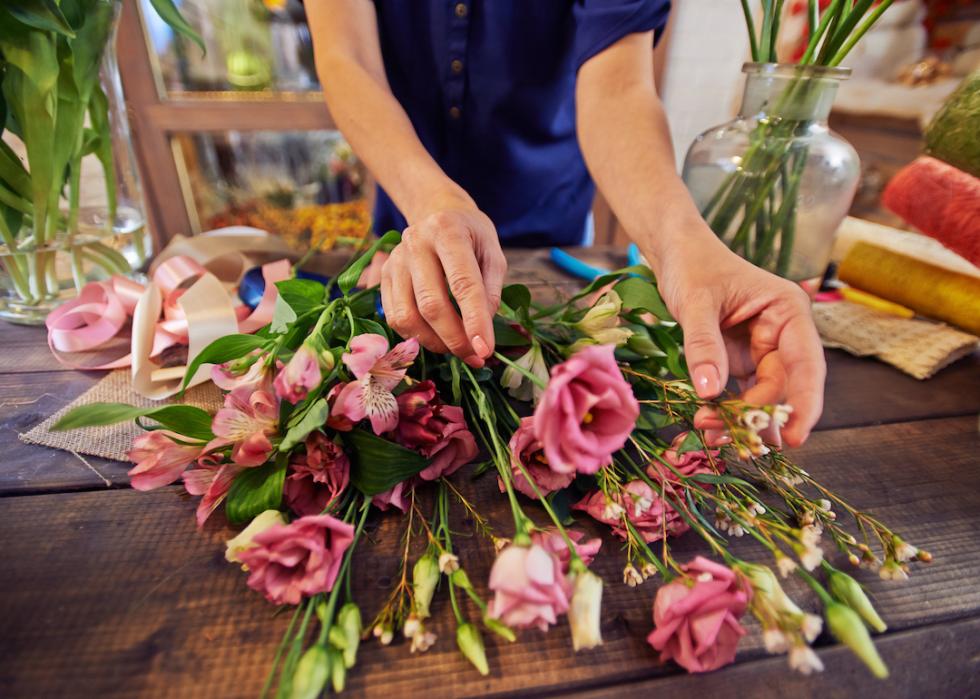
<point>750,26</point>
<point>861,31</point>
<point>537,381</point>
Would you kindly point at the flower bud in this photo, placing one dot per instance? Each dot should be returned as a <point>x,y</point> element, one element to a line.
<point>425,576</point>
<point>349,619</point>
<point>583,613</point>
<point>338,673</point>
<point>448,562</point>
<point>601,322</point>
<point>848,591</point>
<point>765,584</point>
<point>460,579</point>
<point>500,628</point>
<point>643,345</point>
<point>244,540</point>
<point>311,674</point>
<point>471,646</point>
<point>848,628</point>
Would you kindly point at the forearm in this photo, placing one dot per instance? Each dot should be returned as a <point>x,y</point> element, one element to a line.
<point>625,139</point>
<point>349,64</point>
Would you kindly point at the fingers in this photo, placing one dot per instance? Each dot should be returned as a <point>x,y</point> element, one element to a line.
<point>802,360</point>
<point>398,300</point>
<point>494,267</point>
<point>704,347</point>
<point>467,285</point>
<point>371,276</point>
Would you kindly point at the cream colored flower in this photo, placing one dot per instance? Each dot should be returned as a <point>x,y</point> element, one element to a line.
<point>517,384</point>
<point>602,323</point>
<point>244,540</point>
<point>583,613</point>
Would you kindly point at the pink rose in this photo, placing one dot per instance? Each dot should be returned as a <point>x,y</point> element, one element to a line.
<point>649,514</point>
<point>434,429</point>
<point>300,376</point>
<point>159,459</point>
<point>689,463</point>
<point>525,450</point>
<point>316,477</point>
<point>586,413</point>
<point>529,587</point>
<point>553,542</point>
<point>303,558</point>
<point>696,617</point>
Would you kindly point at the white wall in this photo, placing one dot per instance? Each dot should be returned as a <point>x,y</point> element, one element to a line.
<point>703,85</point>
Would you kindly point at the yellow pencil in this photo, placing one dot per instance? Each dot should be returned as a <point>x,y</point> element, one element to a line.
<point>871,301</point>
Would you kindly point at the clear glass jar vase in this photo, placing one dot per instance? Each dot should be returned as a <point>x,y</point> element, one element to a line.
<point>92,224</point>
<point>775,182</point>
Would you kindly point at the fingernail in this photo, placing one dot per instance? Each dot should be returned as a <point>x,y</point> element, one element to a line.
<point>717,438</point>
<point>707,381</point>
<point>474,361</point>
<point>480,346</point>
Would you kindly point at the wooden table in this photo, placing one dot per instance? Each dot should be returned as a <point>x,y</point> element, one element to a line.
<point>110,592</point>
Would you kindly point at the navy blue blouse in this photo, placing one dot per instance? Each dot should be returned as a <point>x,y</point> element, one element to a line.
<point>489,86</point>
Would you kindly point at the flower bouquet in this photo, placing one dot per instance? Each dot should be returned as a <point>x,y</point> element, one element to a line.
<point>586,410</point>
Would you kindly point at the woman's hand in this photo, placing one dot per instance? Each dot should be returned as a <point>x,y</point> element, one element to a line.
<point>452,251</point>
<point>743,322</point>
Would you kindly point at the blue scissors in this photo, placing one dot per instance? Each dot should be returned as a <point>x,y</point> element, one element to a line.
<point>574,266</point>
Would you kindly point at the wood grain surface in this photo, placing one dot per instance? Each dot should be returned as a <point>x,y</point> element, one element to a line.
<point>112,593</point>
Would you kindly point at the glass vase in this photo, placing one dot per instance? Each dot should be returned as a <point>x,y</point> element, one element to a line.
<point>775,182</point>
<point>94,226</point>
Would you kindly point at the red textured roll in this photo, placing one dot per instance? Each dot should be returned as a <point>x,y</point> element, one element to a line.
<point>941,201</point>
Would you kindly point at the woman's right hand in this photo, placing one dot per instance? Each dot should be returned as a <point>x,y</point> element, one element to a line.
<point>453,250</point>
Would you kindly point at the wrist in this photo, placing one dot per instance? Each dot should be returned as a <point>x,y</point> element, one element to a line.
<point>445,196</point>
<point>679,240</point>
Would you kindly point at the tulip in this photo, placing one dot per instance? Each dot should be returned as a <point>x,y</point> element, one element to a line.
<point>583,614</point>
<point>848,628</point>
<point>471,645</point>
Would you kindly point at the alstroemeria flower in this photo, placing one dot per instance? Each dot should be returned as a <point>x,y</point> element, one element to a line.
<point>246,421</point>
<point>251,372</point>
<point>377,371</point>
<point>517,384</point>
<point>212,480</point>
<point>587,412</point>
<point>301,375</point>
<point>601,322</point>
<point>159,459</point>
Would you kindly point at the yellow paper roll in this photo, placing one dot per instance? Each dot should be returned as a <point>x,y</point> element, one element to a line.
<point>925,288</point>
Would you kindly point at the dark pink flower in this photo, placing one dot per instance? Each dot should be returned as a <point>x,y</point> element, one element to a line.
<point>696,618</point>
<point>525,450</point>
<point>689,463</point>
<point>300,376</point>
<point>645,509</point>
<point>586,413</point>
<point>251,372</point>
<point>552,540</point>
<point>436,430</point>
<point>529,587</point>
<point>246,422</point>
<point>396,496</point>
<point>212,480</point>
<point>288,562</point>
<point>159,459</point>
<point>316,477</point>
<point>377,371</point>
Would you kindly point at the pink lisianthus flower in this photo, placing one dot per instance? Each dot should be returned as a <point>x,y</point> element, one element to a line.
<point>251,372</point>
<point>526,451</point>
<point>646,510</point>
<point>159,459</point>
<point>316,477</point>
<point>689,463</point>
<point>529,587</point>
<point>378,371</point>
<point>436,430</point>
<point>211,479</point>
<point>553,542</point>
<point>696,618</point>
<point>396,496</point>
<point>586,413</point>
<point>288,562</point>
<point>246,422</point>
<point>300,375</point>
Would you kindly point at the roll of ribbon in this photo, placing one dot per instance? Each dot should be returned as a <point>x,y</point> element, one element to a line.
<point>926,289</point>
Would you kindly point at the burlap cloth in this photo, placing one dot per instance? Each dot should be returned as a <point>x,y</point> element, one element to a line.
<point>112,441</point>
<point>920,348</point>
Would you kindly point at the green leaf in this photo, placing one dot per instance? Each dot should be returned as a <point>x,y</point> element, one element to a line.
<point>282,315</point>
<point>366,325</point>
<point>599,282</point>
<point>171,15</point>
<point>692,442</point>
<point>504,334</point>
<point>302,295</point>
<point>347,279</point>
<point>13,173</point>
<point>222,350</point>
<point>377,464</point>
<point>40,14</point>
<point>639,293</point>
<point>316,415</point>
<point>256,490</point>
<point>516,296</point>
<point>186,420</point>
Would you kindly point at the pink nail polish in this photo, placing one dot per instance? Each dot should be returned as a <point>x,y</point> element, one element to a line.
<point>707,381</point>
<point>480,346</point>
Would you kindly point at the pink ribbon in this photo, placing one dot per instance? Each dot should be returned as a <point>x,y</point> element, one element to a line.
<point>101,312</point>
